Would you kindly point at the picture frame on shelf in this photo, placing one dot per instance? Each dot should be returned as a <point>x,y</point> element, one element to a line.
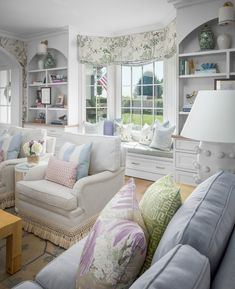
<point>46,95</point>
<point>224,84</point>
<point>59,102</point>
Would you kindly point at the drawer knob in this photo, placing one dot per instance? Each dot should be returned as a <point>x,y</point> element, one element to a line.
<point>136,164</point>
<point>160,168</point>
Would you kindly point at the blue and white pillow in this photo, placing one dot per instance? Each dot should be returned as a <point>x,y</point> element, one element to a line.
<point>162,138</point>
<point>10,144</point>
<point>77,153</point>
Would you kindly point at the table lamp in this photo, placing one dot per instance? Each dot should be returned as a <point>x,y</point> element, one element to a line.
<point>212,122</point>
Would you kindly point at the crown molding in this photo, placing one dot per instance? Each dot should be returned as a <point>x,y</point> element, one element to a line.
<point>11,35</point>
<point>186,3</point>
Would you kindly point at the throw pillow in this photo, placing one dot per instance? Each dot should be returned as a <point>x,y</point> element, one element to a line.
<point>10,145</point>
<point>124,131</point>
<point>162,138</point>
<point>183,267</point>
<point>94,128</point>
<point>158,205</point>
<point>124,205</point>
<point>116,246</point>
<point>80,154</point>
<point>108,127</point>
<point>61,172</point>
<point>146,135</point>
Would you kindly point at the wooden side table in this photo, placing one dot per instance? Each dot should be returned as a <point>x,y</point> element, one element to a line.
<point>11,229</point>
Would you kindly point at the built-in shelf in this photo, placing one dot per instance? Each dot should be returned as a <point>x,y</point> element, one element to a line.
<point>57,83</point>
<point>207,52</point>
<point>37,108</point>
<point>184,113</point>
<point>203,75</point>
<point>57,108</point>
<point>48,69</point>
<point>37,84</point>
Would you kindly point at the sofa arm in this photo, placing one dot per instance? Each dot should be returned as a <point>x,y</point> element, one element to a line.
<point>36,173</point>
<point>7,173</point>
<point>94,192</point>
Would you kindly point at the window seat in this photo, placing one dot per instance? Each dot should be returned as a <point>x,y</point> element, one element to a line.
<point>147,163</point>
<point>137,148</point>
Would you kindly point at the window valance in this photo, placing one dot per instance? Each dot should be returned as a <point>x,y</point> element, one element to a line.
<point>128,49</point>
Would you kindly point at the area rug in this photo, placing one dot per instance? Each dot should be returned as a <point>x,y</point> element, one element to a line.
<point>36,254</point>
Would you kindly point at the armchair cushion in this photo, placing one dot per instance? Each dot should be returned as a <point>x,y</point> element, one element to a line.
<point>47,193</point>
<point>61,172</point>
<point>80,154</point>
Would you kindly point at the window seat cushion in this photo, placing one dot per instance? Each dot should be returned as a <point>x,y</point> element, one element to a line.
<point>137,148</point>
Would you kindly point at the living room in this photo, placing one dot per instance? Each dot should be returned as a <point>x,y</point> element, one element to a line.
<point>117,144</point>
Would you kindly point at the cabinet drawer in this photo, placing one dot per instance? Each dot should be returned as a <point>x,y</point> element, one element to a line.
<point>185,160</point>
<point>186,145</point>
<point>187,178</point>
<point>149,165</point>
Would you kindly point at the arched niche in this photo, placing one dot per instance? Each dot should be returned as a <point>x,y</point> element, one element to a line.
<point>9,62</point>
<point>61,60</point>
<point>190,42</point>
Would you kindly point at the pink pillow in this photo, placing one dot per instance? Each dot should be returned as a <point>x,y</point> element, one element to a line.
<point>62,172</point>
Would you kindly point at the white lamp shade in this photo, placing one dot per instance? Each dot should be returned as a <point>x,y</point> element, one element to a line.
<point>212,117</point>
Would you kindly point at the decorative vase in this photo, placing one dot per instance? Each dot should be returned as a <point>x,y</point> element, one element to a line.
<point>206,38</point>
<point>33,160</point>
<point>49,61</point>
<point>224,41</point>
<point>41,62</point>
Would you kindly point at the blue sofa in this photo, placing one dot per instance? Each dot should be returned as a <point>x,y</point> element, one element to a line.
<point>197,250</point>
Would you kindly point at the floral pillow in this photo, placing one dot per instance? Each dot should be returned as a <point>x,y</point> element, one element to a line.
<point>124,131</point>
<point>146,135</point>
<point>116,246</point>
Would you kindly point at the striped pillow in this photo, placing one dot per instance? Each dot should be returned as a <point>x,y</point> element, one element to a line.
<point>80,154</point>
<point>10,146</point>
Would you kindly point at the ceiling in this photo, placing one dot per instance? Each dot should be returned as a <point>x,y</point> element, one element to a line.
<point>27,18</point>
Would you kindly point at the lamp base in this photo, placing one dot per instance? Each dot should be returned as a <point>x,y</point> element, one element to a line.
<point>214,157</point>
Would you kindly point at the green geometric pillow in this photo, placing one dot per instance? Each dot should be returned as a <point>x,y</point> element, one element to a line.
<point>158,205</point>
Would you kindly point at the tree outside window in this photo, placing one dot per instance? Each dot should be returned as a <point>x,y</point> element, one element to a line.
<point>142,93</point>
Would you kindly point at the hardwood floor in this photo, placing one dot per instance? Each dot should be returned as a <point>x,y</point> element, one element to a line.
<point>142,185</point>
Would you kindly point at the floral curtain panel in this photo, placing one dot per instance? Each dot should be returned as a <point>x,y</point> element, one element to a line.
<point>128,49</point>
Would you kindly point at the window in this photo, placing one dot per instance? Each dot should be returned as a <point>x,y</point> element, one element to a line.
<point>142,93</point>
<point>5,96</point>
<point>96,93</point>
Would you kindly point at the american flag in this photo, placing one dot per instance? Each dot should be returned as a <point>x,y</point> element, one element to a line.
<point>103,81</point>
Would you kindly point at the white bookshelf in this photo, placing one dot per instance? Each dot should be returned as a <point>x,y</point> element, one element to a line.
<point>38,78</point>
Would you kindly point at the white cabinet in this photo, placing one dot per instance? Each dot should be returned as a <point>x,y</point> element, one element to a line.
<point>184,158</point>
<point>148,167</point>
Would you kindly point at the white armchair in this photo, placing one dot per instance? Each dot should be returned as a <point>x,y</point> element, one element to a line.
<point>7,168</point>
<point>64,215</point>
